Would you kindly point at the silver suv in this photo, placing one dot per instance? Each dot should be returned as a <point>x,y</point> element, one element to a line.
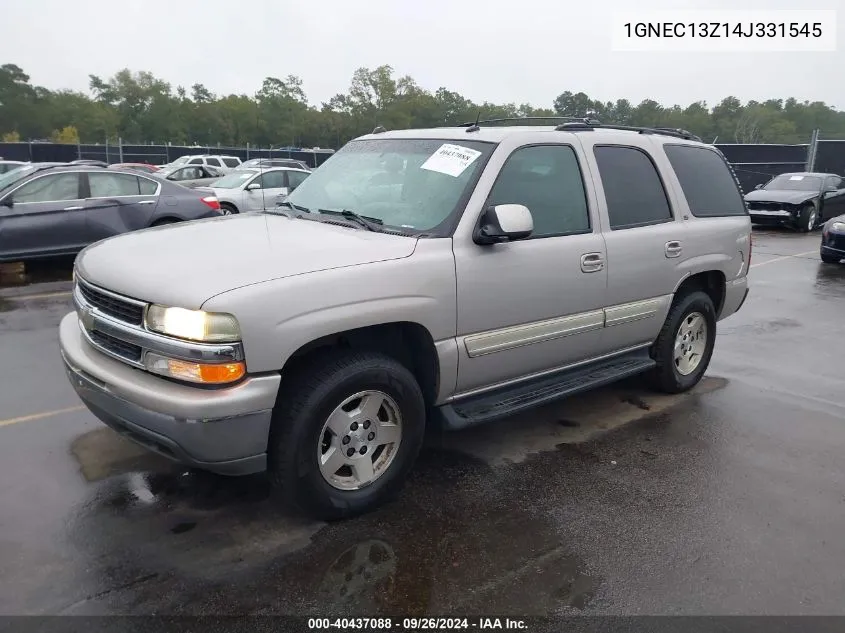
<point>446,276</point>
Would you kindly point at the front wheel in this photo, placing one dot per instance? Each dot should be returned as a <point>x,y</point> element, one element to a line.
<point>808,218</point>
<point>227,209</point>
<point>346,432</point>
<point>685,343</point>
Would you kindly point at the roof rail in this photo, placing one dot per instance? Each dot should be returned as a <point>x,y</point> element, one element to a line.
<point>591,125</point>
<point>523,119</point>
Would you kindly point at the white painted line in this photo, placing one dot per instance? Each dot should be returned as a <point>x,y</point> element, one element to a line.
<point>39,416</point>
<point>781,258</point>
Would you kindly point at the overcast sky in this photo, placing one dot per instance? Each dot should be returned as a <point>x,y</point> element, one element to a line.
<point>496,50</point>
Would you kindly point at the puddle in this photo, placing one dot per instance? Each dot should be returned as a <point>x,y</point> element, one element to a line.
<point>454,542</point>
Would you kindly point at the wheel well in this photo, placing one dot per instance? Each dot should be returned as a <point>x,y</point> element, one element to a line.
<point>166,220</point>
<point>711,282</point>
<point>407,342</point>
<point>228,204</point>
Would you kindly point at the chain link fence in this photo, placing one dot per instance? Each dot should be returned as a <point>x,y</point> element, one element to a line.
<point>753,163</point>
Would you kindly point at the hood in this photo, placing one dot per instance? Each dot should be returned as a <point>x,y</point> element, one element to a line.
<point>187,264</point>
<point>780,195</point>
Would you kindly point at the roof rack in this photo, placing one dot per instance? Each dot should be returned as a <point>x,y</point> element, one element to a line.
<point>572,124</point>
<point>523,119</point>
<point>591,125</point>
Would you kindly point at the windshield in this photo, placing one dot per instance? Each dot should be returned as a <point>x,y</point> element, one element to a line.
<point>180,161</point>
<point>251,163</point>
<point>409,183</point>
<point>235,179</point>
<point>11,177</point>
<point>797,182</point>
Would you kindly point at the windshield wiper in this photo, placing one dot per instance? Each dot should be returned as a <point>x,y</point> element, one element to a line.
<point>290,205</point>
<point>371,224</point>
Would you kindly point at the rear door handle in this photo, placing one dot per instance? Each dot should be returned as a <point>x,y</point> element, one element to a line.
<point>73,208</point>
<point>592,262</point>
<point>147,202</point>
<point>673,249</point>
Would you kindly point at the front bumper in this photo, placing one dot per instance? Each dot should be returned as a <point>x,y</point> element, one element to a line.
<point>833,244</point>
<point>222,430</point>
<point>773,218</point>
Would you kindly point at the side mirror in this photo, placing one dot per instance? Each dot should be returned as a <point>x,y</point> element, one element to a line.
<point>253,186</point>
<point>504,223</point>
<point>758,186</point>
<point>7,202</point>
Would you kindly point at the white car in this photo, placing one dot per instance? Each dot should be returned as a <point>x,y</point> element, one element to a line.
<point>224,163</point>
<point>247,190</point>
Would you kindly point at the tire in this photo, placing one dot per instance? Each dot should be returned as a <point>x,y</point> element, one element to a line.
<point>829,259</point>
<point>808,219</point>
<point>298,435</point>
<point>669,376</point>
<point>228,209</point>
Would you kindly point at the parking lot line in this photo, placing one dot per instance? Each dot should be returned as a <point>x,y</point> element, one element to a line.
<point>40,416</point>
<point>46,295</point>
<point>781,258</point>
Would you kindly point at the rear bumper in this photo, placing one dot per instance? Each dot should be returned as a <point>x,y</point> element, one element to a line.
<point>221,430</point>
<point>736,291</point>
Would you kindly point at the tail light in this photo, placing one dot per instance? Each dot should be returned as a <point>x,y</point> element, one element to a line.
<point>212,202</point>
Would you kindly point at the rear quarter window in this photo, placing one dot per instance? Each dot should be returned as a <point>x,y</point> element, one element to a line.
<point>231,162</point>
<point>706,180</point>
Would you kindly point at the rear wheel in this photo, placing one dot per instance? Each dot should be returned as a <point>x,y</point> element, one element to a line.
<point>685,343</point>
<point>346,432</point>
<point>829,259</point>
<point>808,218</point>
<point>227,208</point>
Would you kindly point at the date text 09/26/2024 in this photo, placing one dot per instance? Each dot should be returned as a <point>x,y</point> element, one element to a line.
<point>416,624</point>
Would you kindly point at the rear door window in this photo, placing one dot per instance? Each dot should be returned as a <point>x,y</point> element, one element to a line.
<point>632,187</point>
<point>105,185</point>
<point>212,161</point>
<point>706,180</point>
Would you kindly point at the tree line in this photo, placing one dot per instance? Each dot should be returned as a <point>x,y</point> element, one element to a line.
<point>139,107</point>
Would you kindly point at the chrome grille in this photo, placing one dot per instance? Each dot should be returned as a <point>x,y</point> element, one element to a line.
<point>125,310</point>
<point>117,347</point>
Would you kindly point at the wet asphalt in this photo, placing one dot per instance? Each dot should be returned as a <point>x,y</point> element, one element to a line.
<point>726,500</point>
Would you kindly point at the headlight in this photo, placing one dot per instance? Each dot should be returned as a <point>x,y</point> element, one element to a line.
<point>838,226</point>
<point>194,325</point>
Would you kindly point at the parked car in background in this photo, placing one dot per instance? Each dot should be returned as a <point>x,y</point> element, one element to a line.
<point>832,248</point>
<point>274,162</point>
<point>800,200</point>
<point>143,167</point>
<point>86,161</point>
<point>223,163</point>
<point>60,209</point>
<point>256,189</point>
<point>8,165</point>
<point>191,175</point>
<point>510,267</point>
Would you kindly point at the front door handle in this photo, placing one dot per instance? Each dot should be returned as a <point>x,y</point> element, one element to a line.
<point>592,262</point>
<point>673,248</point>
<point>73,208</point>
<point>147,202</point>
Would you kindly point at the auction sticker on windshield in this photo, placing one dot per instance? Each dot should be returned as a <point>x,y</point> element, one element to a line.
<point>451,159</point>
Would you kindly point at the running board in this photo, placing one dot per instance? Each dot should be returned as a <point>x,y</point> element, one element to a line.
<point>508,401</point>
